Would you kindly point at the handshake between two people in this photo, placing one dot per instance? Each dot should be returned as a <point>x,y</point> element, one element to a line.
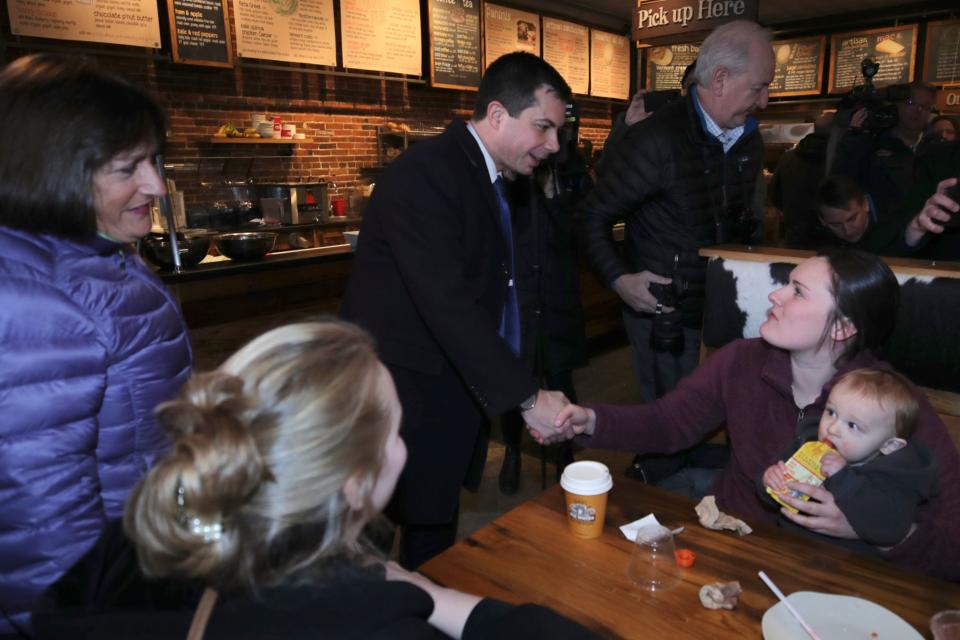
<point>554,419</point>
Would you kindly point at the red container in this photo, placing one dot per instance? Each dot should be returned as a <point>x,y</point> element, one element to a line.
<point>338,206</point>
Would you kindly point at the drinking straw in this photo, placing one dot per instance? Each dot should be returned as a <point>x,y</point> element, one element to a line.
<point>786,603</point>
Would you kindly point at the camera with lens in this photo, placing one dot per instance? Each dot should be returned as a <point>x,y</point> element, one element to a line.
<point>667,333</point>
<point>881,112</point>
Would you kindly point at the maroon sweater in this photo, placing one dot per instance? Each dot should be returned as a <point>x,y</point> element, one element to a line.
<point>746,385</point>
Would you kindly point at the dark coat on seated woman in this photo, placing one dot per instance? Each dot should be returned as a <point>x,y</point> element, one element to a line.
<point>105,595</point>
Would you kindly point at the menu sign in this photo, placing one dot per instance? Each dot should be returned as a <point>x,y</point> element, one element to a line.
<point>799,66</point>
<point>609,65</point>
<point>566,46</point>
<point>507,30</point>
<point>455,57</point>
<point>665,65</point>
<point>941,59</point>
<point>286,30</point>
<point>381,35</point>
<point>128,22</point>
<point>198,32</point>
<point>894,48</point>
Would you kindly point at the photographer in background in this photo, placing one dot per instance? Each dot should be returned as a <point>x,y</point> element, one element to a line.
<point>880,157</point>
<point>682,179</point>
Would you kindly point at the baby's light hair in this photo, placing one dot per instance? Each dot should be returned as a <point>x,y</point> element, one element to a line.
<point>891,390</point>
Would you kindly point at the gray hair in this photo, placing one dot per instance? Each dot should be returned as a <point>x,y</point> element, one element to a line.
<point>728,46</point>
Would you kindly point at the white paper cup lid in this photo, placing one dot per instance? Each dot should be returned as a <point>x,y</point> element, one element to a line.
<point>586,478</point>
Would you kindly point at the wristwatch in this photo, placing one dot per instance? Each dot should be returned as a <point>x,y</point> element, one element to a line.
<point>529,403</point>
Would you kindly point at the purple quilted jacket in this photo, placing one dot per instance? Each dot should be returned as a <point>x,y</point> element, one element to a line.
<point>90,342</point>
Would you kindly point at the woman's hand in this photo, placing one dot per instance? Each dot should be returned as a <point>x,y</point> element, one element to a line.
<point>576,418</point>
<point>451,608</point>
<point>820,514</point>
<point>774,476</point>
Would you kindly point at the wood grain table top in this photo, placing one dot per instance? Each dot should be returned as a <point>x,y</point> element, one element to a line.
<point>528,555</point>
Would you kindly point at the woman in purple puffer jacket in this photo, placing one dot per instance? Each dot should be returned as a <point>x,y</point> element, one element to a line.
<point>90,341</point>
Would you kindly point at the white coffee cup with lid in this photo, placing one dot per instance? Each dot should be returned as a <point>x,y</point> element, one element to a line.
<point>586,485</point>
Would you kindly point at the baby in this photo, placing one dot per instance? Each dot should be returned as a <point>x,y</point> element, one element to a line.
<point>875,475</point>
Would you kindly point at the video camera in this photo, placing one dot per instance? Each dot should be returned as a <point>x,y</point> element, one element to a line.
<point>879,103</point>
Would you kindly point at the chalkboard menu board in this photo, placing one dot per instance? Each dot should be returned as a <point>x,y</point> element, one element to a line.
<point>799,70</point>
<point>941,58</point>
<point>455,55</point>
<point>894,48</point>
<point>198,32</point>
<point>665,65</point>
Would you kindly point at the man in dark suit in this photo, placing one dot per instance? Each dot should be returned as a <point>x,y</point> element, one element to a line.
<point>433,281</point>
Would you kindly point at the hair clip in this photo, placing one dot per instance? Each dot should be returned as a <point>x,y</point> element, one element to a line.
<point>211,531</point>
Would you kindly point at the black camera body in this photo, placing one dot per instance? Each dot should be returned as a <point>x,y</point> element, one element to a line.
<point>667,333</point>
<point>881,110</point>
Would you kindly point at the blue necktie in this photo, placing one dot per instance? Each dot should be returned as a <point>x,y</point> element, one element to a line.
<point>510,320</point>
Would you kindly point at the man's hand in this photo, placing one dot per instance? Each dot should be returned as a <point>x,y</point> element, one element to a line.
<point>774,477</point>
<point>937,210</point>
<point>634,289</point>
<point>858,118</point>
<point>637,110</point>
<point>831,463</point>
<point>820,514</point>
<point>540,419</point>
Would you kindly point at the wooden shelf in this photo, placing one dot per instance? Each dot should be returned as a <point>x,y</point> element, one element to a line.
<point>216,140</point>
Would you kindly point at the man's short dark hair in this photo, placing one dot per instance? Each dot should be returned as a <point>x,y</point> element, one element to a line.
<point>836,192</point>
<point>62,119</point>
<point>513,79</point>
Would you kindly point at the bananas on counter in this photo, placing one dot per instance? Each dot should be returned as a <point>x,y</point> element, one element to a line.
<point>230,131</point>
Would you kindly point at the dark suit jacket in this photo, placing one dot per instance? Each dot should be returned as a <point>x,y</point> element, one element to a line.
<point>429,281</point>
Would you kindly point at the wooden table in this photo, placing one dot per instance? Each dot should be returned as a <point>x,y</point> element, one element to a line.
<point>528,555</point>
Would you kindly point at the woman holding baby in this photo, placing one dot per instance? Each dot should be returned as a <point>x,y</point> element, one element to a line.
<point>825,322</point>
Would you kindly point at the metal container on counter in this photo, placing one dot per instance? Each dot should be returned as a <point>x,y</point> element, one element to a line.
<point>293,202</point>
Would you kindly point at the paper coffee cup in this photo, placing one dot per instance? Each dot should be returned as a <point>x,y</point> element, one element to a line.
<point>586,485</point>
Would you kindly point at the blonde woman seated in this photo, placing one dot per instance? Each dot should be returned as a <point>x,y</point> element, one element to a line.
<point>281,459</point>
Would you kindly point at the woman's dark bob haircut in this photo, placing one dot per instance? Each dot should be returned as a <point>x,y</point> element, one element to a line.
<point>61,119</point>
<point>865,293</point>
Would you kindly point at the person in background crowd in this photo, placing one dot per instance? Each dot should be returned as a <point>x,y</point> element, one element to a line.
<point>682,179</point>
<point>851,219</point>
<point>941,130</point>
<point>883,162</point>
<point>797,175</point>
<point>637,109</point>
<point>281,459</point>
<point>835,310</point>
<point>90,339</point>
<point>944,126</point>
<point>434,281</point>
<point>877,474</point>
<point>548,283</point>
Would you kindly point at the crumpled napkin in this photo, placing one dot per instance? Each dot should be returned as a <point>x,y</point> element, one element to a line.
<point>720,595</point>
<point>712,518</point>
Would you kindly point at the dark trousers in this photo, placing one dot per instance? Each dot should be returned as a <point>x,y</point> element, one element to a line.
<point>446,445</point>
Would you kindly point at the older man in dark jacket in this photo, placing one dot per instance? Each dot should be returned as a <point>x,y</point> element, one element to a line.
<point>682,179</point>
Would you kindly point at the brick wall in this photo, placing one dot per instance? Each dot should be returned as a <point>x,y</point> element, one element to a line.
<point>339,115</point>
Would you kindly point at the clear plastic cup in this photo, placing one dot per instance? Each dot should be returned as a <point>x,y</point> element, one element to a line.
<point>946,625</point>
<point>653,563</point>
